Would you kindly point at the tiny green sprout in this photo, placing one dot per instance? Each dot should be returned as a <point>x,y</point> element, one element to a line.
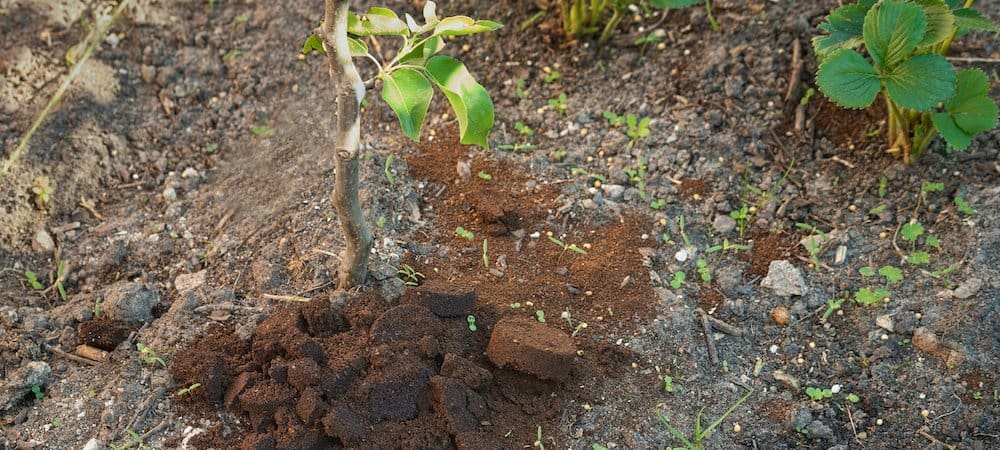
<point>484,176</point>
<point>853,398</point>
<point>380,222</point>
<point>60,275</point>
<point>33,280</point>
<point>97,307</point>
<point>538,439</point>
<point>911,231</point>
<point>462,232</point>
<point>977,395</point>
<point>877,210</point>
<point>678,279</point>
<point>649,38</point>
<point>832,306</point>
<point>409,275</point>
<point>807,96</point>
<point>703,270</point>
<point>552,76</point>
<point>817,394</point>
<point>261,131</point>
<point>598,447</point>
<point>637,128</point>
<point>540,315</point>
<point>868,297</point>
<point>866,271</point>
<point>892,274</point>
<point>57,422</point>
<point>613,119</point>
<point>39,393</point>
<point>579,327</point>
<point>517,147</point>
<point>658,204</point>
<point>963,207</point>
<point>566,246</point>
<point>472,322</point>
<point>928,187</point>
<point>188,390</point>
<point>524,129</point>
<point>519,90</point>
<point>559,103</point>
<point>684,236</point>
<point>234,53</point>
<point>668,383</point>
<point>387,170</point>
<point>726,246</point>
<point>515,305</point>
<point>932,241</point>
<point>41,186</point>
<point>148,355</point>
<point>883,187</point>
<point>211,148</point>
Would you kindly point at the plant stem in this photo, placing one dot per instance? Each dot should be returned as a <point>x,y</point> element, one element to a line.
<point>609,28</point>
<point>349,90</point>
<point>711,18</point>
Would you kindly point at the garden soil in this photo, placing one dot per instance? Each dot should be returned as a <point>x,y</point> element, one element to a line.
<point>606,297</point>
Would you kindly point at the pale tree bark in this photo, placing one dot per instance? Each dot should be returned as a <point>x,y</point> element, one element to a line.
<point>349,90</point>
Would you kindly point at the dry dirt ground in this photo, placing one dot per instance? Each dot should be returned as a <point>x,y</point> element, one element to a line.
<point>190,216</point>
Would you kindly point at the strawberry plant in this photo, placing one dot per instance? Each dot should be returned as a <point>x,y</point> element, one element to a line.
<point>407,86</point>
<point>906,42</point>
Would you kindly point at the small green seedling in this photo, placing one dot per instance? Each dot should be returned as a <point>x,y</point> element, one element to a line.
<point>726,246</point>
<point>517,147</point>
<point>832,306</point>
<point>853,398</point>
<point>703,270</point>
<point>234,53</point>
<point>657,204</point>
<point>695,443</point>
<point>963,207</point>
<point>519,89</point>
<point>678,279</point>
<point>134,440</point>
<point>582,18</point>
<point>60,275</point>
<point>472,322</point>
<point>484,175</point>
<point>538,439</point>
<point>906,42</point>
<point>187,390</point>
<point>883,187</point>
<point>668,384</point>
<point>148,355</point>
<point>515,305</point>
<point>409,275</point>
<point>637,128</point>
<point>877,210</point>
<point>523,129</point>
<point>579,327</point>
<point>540,316</point>
<point>261,131</point>
<point>33,280</point>
<point>39,393</point>
<point>868,297</point>
<point>462,232</point>
<point>566,246</point>
<point>892,274</point>
<point>486,258</point>
<point>559,103</point>
<point>41,186</point>
<point>552,76</point>
<point>387,170</point>
<point>817,394</point>
<point>814,242</point>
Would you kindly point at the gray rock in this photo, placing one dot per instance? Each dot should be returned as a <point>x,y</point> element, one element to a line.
<point>819,430</point>
<point>19,383</point>
<point>802,418</point>
<point>969,288</point>
<point>130,302</point>
<point>784,279</point>
<point>613,191</point>
<point>43,242</point>
<point>723,224</point>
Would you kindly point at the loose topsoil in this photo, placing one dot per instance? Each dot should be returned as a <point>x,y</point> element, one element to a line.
<point>608,293</point>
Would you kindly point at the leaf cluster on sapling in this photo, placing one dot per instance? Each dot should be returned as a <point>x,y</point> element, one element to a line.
<point>906,42</point>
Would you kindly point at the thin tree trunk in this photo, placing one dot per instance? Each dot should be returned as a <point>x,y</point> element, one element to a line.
<point>349,89</point>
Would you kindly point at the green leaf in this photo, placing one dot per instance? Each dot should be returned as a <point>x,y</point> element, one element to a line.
<point>462,25</point>
<point>409,95</point>
<point>919,258</point>
<point>470,100</point>
<point>313,42</point>
<point>970,19</point>
<point>357,47</point>
<point>844,28</point>
<point>847,79</point>
<point>940,21</point>
<point>912,231</point>
<point>892,31</point>
<point>963,207</point>
<point>376,22</point>
<point>665,4</point>
<point>421,53</point>
<point>921,82</point>
<point>955,136</point>
<point>891,274</point>
<point>868,297</point>
<point>932,241</point>
<point>866,271</point>
<point>968,112</point>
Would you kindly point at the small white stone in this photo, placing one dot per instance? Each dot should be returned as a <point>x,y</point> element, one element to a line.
<point>835,388</point>
<point>681,255</point>
<point>773,348</point>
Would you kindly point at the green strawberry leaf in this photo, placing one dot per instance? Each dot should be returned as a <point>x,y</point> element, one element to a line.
<point>462,25</point>
<point>971,107</point>
<point>376,22</point>
<point>940,21</point>
<point>969,19</point>
<point>921,82</point>
<point>892,31</point>
<point>848,79</point>
<point>956,137</point>
<point>470,100</point>
<point>409,95</point>
<point>844,26</point>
